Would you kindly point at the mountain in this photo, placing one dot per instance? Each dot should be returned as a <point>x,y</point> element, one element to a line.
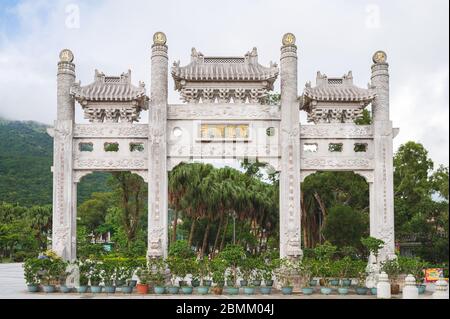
<point>26,154</point>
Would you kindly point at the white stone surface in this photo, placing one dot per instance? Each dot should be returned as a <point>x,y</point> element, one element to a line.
<point>441,291</point>
<point>410,290</point>
<point>234,97</point>
<point>383,286</point>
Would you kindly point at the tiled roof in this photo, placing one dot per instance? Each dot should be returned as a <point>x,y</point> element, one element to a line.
<point>110,88</point>
<point>221,69</point>
<point>336,90</point>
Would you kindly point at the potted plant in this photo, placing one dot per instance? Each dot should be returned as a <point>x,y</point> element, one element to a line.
<point>109,273</point>
<point>334,274</point>
<point>218,267</point>
<point>63,278</point>
<point>84,268</point>
<point>258,265</point>
<point>157,268</point>
<point>267,275</point>
<point>195,273</point>
<point>305,269</point>
<point>373,246</point>
<point>31,274</point>
<point>392,269</point>
<point>175,265</point>
<point>245,271</point>
<point>187,264</point>
<point>343,268</point>
<point>95,277</point>
<point>51,269</point>
<point>419,274</point>
<point>233,256</point>
<point>124,274</point>
<point>360,270</point>
<point>284,274</point>
<point>143,274</point>
<point>325,271</point>
<point>315,271</point>
<point>416,267</point>
<point>204,274</point>
<point>230,279</point>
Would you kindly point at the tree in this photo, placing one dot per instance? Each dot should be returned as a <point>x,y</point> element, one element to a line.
<point>40,221</point>
<point>324,190</point>
<point>131,192</point>
<point>345,226</point>
<point>93,211</point>
<point>417,210</point>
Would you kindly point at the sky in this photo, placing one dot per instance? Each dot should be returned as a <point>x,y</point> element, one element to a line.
<point>333,36</point>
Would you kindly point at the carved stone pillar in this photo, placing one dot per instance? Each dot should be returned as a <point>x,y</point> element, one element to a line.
<point>382,197</point>
<point>290,231</point>
<point>157,166</point>
<point>64,197</point>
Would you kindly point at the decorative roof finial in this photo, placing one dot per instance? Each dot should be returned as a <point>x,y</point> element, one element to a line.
<point>159,38</point>
<point>66,56</point>
<point>379,57</point>
<point>288,39</point>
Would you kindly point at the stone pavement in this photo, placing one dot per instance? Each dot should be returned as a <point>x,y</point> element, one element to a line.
<point>12,286</point>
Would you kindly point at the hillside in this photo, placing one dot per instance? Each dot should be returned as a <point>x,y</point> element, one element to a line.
<point>26,153</point>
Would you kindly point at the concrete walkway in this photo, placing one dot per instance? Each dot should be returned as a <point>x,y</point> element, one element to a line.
<point>12,286</point>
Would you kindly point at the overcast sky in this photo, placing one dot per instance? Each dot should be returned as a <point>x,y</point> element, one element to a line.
<point>333,36</point>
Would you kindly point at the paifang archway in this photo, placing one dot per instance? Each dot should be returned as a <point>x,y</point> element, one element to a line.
<point>226,115</point>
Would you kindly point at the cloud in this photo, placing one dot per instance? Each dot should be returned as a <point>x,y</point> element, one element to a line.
<point>333,36</point>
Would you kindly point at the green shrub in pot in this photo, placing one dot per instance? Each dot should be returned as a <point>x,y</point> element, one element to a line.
<point>284,274</point>
<point>392,269</point>
<point>233,256</point>
<point>31,273</point>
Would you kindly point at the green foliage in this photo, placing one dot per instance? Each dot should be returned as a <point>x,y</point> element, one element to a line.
<point>366,118</point>
<point>345,226</point>
<point>181,249</point>
<point>373,245</point>
<point>325,252</point>
<point>31,268</point>
<point>96,274</point>
<point>323,191</point>
<point>419,217</point>
<point>92,212</point>
<point>157,267</point>
<point>392,268</point>
<point>179,266</point>
<point>50,270</point>
<point>84,268</point>
<point>218,267</point>
<point>413,265</point>
<point>287,268</point>
<point>26,155</point>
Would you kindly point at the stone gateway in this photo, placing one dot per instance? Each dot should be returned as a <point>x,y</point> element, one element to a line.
<point>226,114</point>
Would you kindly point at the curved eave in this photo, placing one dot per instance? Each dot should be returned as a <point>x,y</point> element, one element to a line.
<point>109,93</point>
<point>219,73</point>
<point>306,102</point>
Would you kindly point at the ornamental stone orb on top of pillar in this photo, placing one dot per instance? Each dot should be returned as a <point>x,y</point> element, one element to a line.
<point>66,56</point>
<point>288,39</point>
<point>159,38</point>
<point>379,57</point>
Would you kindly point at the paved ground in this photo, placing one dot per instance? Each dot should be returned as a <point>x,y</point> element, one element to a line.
<point>12,286</point>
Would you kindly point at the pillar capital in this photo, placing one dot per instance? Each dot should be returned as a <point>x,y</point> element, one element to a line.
<point>65,64</point>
